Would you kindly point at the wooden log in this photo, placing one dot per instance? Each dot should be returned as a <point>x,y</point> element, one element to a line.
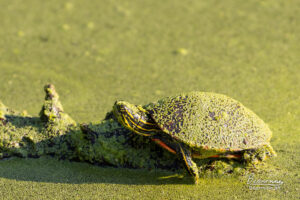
<point>55,133</point>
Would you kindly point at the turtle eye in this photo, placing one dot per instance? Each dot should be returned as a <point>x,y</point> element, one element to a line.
<point>121,108</point>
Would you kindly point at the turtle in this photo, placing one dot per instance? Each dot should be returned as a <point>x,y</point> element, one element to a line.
<point>199,125</point>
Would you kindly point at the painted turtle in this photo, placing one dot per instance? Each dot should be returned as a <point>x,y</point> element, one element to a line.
<point>199,125</point>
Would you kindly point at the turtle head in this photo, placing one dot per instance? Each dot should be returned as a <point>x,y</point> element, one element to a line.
<point>134,118</point>
<point>125,112</point>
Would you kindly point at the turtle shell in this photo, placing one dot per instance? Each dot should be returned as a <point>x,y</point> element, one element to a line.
<point>209,121</point>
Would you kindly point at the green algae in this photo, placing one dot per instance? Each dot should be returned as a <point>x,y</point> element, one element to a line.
<point>57,121</point>
<point>248,51</point>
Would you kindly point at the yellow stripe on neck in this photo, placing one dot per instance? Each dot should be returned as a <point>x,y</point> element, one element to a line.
<point>134,130</point>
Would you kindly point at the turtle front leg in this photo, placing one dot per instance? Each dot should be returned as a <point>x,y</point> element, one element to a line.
<point>183,152</point>
<point>191,166</point>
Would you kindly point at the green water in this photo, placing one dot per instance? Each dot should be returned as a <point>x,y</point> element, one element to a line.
<point>96,52</point>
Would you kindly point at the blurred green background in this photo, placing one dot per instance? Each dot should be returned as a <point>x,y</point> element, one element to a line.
<point>96,52</point>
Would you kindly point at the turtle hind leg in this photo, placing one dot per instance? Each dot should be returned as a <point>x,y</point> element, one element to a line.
<point>190,165</point>
<point>260,154</point>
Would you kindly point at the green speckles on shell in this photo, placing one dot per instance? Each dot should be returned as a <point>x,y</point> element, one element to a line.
<point>202,119</point>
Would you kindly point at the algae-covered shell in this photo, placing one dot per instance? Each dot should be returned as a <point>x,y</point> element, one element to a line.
<point>210,121</point>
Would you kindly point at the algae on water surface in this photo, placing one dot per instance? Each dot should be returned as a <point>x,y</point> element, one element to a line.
<point>98,51</point>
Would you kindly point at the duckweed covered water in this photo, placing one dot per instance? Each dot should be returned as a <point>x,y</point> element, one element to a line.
<point>140,51</point>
